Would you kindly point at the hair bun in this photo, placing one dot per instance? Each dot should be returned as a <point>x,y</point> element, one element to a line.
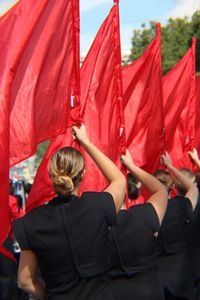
<point>66,170</point>
<point>63,184</point>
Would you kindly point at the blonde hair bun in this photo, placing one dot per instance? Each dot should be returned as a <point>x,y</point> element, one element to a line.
<point>63,184</point>
<point>66,170</point>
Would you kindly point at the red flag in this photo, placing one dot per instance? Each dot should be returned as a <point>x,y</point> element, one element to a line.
<point>103,113</point>
<point>38,64</point>
<point>143,112</point>
<point>197,125</point>
<point>48,67</point>
<point>179,109</point>
<point>101,110</point>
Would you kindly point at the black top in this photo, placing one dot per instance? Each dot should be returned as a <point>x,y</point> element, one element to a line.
<point>69,235</point>
<point>133,241</point>
<point>171,238</point>
<point>193,230</point>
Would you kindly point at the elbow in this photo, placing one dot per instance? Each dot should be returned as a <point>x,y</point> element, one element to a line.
<point>24,284</point>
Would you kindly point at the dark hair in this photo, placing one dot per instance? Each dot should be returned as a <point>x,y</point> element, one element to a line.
<point>133,190</point>
<point>19,201</point>
<point>66,170</point>
<point>28,187</point>
<point>11,187</point>
<point>165,178</point>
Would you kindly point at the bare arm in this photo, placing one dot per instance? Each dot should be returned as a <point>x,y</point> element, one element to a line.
<point>159,195</point>
<point>194,157</point>
<point>191,189</point>
<point>111,172</point>
<point>27,271</point>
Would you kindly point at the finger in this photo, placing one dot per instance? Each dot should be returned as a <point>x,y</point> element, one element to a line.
<point>74,128</point>
<point>73,134</point>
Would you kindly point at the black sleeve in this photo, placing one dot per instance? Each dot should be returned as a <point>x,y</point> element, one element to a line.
<point>152,217</point>
<point>20,234</point>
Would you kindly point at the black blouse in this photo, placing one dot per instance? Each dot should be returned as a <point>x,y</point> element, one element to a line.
<point>193,230</point>
<point>69,235</point>
<point>133,241</point>
<point>171,238</point>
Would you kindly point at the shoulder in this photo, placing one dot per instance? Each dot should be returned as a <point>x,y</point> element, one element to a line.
<point>34,218</point>
<point>142,208</point>
<point>181,201</point>
<point>182,205</point>
<point>103,202</point>
<point>147,214</point>
<point>97,197</point>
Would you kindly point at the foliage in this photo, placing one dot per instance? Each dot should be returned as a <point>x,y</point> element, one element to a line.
<point>41,150</point>
<point>176,40</point>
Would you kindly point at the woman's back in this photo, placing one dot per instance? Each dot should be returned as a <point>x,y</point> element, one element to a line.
<point>173,264</point>
<point>52,232</point>
<point>134,271</point>
<point>171,238</point>
<point>134,236</point>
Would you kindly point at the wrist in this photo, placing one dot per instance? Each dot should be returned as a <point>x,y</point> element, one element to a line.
<point>85,143</point>
<point>170,167</point>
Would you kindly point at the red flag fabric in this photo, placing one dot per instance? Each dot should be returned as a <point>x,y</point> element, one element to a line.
<point>38,64</point>
<point>48,67</point>
<point>179,109</point>
<point>101,110</point>
<point>197,125</point>
<point>143,112</point>
<point>42,189</point>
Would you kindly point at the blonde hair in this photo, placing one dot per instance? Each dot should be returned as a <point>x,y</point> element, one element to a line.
<point>66,170</point>
<point>165,178</point>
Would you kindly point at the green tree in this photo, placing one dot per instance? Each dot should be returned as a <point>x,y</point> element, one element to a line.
<point>176,40</point>
<point>195,31</point>
<point>41,150</point>
<point>141,39</point>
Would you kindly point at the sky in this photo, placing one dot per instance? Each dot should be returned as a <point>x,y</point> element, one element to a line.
<point>132,14</point>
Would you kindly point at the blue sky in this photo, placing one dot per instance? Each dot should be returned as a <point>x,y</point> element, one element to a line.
<point>132,14</point>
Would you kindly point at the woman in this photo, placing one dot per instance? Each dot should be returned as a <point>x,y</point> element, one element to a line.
<point>133,271</point>
<point>68,237</point>
<point>193,232</point>
<point>173,264</point>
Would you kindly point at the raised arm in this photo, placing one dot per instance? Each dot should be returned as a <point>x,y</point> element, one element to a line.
<point>191,189</point>
<point>117,186</point>
<point>159,195</point>
<point>194,157</point>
